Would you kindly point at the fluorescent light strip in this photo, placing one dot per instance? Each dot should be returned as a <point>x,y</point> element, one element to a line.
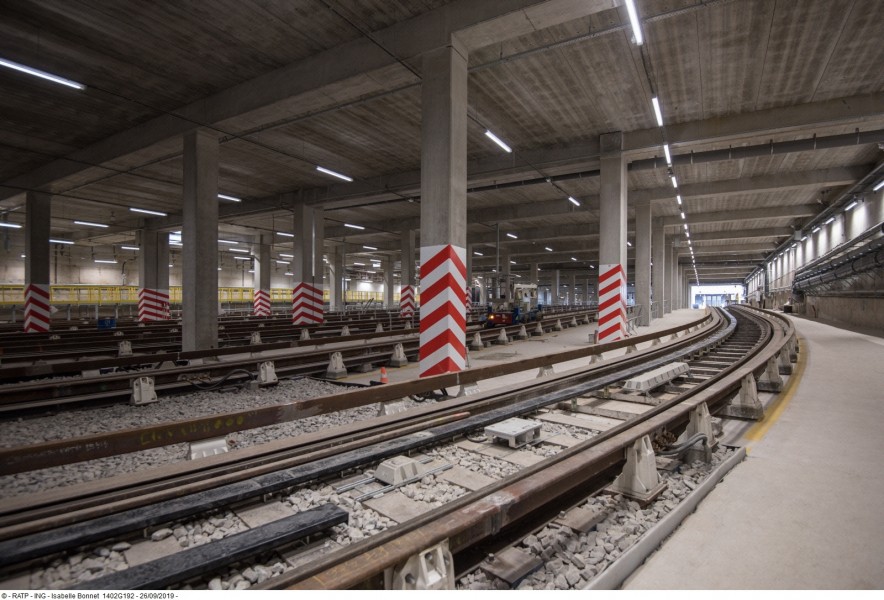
<point>682,216</point>
<point>678,197</point>
<point>289,273</point>
<point>333,173</point>
<point>573,201</point>
<point>287,255</point>
<point>41,74</point>
<point>666,152</point>
<point>633,20</point>
<point>136,248</point>
<point>497,140</point>
<point>512,262</point>
<point>829,220</point>
<point>851,206</point>
<point>369,247</point>
<point>879,186</point>
<point>351,226</point>
<point>548,249</point>
<point>574,259</point>
<point>229,198</point>
<point>240,250</point>
<point>628,243</point>
<point>285,234</point>
<point>359,264</point>
<point>231,242</point>
<point>107,262</point>
<point>10,225</point>
<point>478,254</point>
<point>283,262</point>
<point>90,224</point>
<point>674,182</point>
<point>815,229</point>
<point>657,112</point>
<point>242,258</point>
<point>512,235</point>
<point>54,241</point>
<point>149,212</point>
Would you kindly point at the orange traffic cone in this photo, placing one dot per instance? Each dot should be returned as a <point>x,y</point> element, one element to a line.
<point>384,375</point>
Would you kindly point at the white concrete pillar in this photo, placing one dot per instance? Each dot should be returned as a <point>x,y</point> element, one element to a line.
<point>199,234</point>
<point>643,261</point>
<point>443,210</point>
<point>554,287</point>
<point>612,241</point>
<point>38,209</point>
<point>659,268</point>
<point>667,274</point>
<point>673,274</point>
<point>387,266</point>
<point>307,266</point>
<point>261,279</point>
<point>153,275</point>
<point>338,273</point>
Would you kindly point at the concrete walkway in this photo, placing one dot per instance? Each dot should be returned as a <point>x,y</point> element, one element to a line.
<point>804,510</point>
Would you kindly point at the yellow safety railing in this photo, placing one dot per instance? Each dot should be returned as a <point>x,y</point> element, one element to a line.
<point>128,294</point>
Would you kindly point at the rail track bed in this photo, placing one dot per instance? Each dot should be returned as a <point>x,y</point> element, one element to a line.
<point>532,502</point>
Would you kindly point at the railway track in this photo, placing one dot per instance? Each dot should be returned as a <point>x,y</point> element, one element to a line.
<point>586,421</point>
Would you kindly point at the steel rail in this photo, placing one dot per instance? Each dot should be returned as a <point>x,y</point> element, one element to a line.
<point>485,512</point>
<point>15,460</point>
<point>18,549</point>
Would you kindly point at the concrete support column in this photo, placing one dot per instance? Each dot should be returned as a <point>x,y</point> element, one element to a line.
<point>612,241</point>
<point>38,209</point>
<point>307,302</point>
<point>443,210</point>
<point>339,272</point>
<point>261,278</point>
<point>199,329</point>
<point>673,274</point>
<point>667,274</point>
<point>554,286</point>
<point>532,273</point>
<point>153,275</point>
<point>387,266</point>
<point>643,261</point>
<point>572,290</point>
<point>506,277</point>
<point>658,244</point>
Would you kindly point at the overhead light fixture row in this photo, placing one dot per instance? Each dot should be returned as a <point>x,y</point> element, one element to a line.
<point>41,74</point>
<point>334,173</point>
<point>497,141</point>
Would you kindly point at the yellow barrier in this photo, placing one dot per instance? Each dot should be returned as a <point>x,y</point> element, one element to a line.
<point>128,294</point>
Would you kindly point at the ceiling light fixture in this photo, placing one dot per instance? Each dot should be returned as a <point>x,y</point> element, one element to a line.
<point>149,212</point>
<point>231,242</point>
<point>242,258</point>
<point>573,201</point>
<point>229,198</point>
<point>512,262</point>
<point>682,216</point>
<point>628,243</point>
<point>548,249</point>
<point>674,182</point>
<point>351,226</point>
<point>633,20</point>
<point>135,248</point>
<point>107,262</point>
<point>11,225</point>
<point>574,259</point>
<point>54,241</point>
<point>333,173</point>
<point>239,250</point>
<point>287,255</point>
<point>497,140</point>
<point>359,264</point>
<point>678,197</point>
<point>90,224</point>
<point>478,254</point>
<point>879,186</point>
<point>369,247</point>
<point>815,229</point>
<point>285,234</point>
<point>829,220</point>
<point>657,112</point>
<point>283,262</point>
<point>668,156</point>
<point>41,74</point>
<point>851,206</point>
<point>512,235</point>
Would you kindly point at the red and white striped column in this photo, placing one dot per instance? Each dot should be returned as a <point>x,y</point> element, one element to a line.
<point>37,309</point>
<point>443,324</point>
<point>612,303</point>
<point>406,301</point>
<point>468,302</point>
<point>153,305</point>
<point>262,303</point>
<point>307,306</point>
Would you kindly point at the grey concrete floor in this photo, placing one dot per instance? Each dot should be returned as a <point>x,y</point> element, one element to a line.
<point>804,510</point>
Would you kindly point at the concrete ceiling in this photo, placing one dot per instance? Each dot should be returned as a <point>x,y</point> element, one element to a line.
<point>773,109</point>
